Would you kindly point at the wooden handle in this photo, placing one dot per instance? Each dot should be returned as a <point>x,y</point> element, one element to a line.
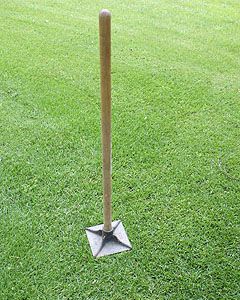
<point>105,61</point>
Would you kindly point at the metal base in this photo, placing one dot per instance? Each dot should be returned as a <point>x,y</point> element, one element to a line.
<point>105,243</point>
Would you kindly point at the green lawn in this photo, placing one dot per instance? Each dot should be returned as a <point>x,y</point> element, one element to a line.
<point>176,149</point>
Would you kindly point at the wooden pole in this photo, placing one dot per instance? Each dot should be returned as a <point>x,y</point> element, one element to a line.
<point>105,62</point>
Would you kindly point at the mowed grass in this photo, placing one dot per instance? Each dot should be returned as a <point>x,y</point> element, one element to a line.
<point>176,149</point>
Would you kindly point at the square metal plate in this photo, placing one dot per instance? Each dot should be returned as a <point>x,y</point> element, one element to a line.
<point>118,243</point>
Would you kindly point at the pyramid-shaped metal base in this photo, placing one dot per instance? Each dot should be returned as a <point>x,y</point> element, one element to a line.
<point>105,243</point>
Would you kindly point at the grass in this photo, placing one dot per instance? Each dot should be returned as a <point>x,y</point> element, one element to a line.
<point>176,112</point>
